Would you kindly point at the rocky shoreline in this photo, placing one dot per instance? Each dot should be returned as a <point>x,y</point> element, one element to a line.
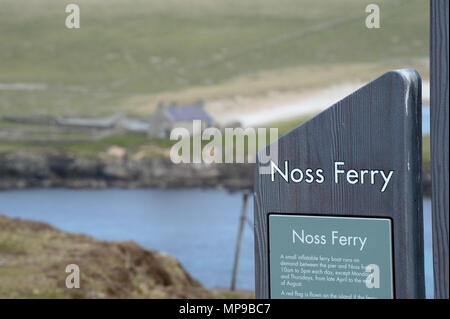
<point>25,170</point>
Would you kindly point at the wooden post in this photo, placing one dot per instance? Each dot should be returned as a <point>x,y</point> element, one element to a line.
<point>324,208</point>
<point>439,143</point>
<point>237,253</point>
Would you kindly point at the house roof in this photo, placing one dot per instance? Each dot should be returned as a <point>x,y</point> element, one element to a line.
<point>188,113</point>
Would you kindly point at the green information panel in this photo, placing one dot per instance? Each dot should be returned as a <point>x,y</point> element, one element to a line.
<point>330,257</point>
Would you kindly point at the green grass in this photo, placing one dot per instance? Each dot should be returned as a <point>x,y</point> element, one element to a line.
<point>131,143</point>
<point>131,54</point>
<point>286,126</point>
<point>426,151</point>
<point>126,49</point>
<point>154,146</point>
<point>11,245</point>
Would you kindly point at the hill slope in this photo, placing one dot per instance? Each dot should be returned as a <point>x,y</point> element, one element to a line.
<point>33,258</point>
<point>128,53</point>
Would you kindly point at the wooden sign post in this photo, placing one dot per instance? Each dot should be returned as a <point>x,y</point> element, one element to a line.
<point>439,111</point>
<point>339,213</point>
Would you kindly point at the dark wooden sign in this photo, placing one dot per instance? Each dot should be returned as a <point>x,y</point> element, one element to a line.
<point>439,111</point>
<point>339,213</point>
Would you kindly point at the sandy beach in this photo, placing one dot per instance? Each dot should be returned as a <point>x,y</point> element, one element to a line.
<point>283,106</point>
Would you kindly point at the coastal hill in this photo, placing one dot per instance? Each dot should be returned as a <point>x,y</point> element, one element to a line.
<point>34,256</point>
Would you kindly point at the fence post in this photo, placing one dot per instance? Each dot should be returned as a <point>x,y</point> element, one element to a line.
<point>237,253</point>
<point>439,142</point>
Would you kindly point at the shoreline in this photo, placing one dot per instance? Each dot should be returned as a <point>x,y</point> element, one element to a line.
<point>25,170</point>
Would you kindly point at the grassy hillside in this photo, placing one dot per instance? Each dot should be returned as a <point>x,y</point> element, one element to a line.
<point>34,255</point>
<point>130,54</point>
<point>33,258</point>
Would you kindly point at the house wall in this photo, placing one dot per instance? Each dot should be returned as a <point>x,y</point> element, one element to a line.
<point>160,125</point>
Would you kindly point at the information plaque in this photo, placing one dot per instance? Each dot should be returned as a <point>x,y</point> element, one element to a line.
<point>330,257</point>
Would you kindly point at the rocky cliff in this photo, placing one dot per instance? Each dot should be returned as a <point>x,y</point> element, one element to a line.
<point>23,169</point>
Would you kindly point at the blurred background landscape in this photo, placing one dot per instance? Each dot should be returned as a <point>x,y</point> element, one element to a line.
<point>78,148</point>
